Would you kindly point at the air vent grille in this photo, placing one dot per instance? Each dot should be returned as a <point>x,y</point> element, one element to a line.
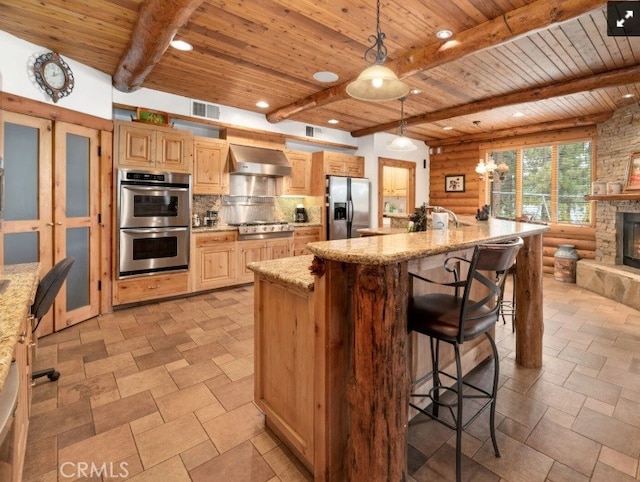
<point>313,131</point>
<point>205,110</point>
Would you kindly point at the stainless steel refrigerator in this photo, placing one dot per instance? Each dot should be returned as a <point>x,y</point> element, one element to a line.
<point>347,206</point>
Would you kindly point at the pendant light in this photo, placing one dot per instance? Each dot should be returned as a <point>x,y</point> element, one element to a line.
<point>377,83</point>
<point>402,142</point>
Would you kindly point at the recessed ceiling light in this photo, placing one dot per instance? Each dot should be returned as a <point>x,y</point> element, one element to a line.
<point>181,45</point>
<point>262,104</point>
<point>444,34</point>
<point>415,91</point>
<point>325,76</point>
<point>627,96</point>
<point>333,121</point>
<point>518,114</point>
<point>447,128</point>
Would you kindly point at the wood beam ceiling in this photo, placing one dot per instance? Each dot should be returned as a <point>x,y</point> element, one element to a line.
<point>508,27</point>
<point>561,124</point>
<point>158,21</point>
<point>621,76</point>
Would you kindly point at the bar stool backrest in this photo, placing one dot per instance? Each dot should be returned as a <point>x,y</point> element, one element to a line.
<point>487,271</point>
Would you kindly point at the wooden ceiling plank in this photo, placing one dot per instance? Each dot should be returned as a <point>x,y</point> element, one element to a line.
<point>619,76</point>
<point>527,129</point>
<point>157,23</point>
<point>510,26</point>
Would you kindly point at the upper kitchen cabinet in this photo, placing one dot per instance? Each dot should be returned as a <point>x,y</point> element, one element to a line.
<point>210,175</point>
<point>326,163</point>
<point>339,164</point>
<point>395,181</point>
<point>155,147</point>
<point>299,182</point>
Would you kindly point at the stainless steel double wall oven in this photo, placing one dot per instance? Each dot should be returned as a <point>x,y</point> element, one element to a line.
<point>153,221</point>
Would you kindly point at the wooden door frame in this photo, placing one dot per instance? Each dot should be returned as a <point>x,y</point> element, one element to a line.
<point>14,104</point>
<point>411,187</point>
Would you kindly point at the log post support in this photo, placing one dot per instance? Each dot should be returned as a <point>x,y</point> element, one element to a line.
<point>378,387</point>
<point>529,316</point>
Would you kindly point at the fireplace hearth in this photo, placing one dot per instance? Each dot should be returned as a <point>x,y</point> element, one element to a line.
<point>631,239</point>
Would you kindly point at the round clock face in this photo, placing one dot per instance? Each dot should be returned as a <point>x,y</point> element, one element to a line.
<point>53,75</point>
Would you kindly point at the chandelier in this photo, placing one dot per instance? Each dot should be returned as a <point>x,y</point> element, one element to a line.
<point>402,142</point>
<point>488,168</point>
<point>377,83</point>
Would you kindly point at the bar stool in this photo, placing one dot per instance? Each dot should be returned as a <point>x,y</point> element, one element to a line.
<point>455,319</point>
<point>508,307</point>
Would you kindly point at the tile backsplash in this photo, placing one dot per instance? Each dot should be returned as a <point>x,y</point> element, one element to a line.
<point>283,208</point>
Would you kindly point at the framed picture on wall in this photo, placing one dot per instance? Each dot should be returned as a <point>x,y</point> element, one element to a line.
<point>632,176</point>
<point>454,183</point>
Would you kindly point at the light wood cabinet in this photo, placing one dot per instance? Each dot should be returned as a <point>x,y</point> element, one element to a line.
<point>395,181</point>
<point>333,164</point>
<point>214,260</point>
<point>260,250</point>
<point>339,164</point>
<point>210,173</point>
<point>288,339</point>
<point>302,236</point>
<point>299,182</point>
<point>153,147</point>
<point>150,287</point>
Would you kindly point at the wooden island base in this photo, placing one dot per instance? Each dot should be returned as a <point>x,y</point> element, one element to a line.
<point>333,360</point>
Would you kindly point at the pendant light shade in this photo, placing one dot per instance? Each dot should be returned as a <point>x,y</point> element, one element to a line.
<point>402,143</point>
<point>377,83</point>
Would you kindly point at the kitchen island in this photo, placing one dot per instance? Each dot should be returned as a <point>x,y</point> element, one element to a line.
<point>18,284</point>
<point>353,334</point>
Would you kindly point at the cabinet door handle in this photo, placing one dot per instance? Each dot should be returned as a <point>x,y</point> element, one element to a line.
<point>50,224</point>
<point>153,287</point>
<point>59,223</point>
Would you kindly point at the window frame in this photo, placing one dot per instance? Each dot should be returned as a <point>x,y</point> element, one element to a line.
<point>554,141</point>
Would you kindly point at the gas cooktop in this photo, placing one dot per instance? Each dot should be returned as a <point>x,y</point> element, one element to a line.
<point>260,227</point>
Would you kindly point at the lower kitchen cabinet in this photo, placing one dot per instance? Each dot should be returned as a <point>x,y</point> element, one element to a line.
<point>150,287</point>
<point>302,236</point>
<point>260,250</point>
<point>214,260</point>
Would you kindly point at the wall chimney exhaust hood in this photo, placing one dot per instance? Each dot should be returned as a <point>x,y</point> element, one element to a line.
<point>258,161</point>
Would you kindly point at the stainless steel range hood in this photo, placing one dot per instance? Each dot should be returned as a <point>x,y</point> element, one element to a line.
<point>258,161</point>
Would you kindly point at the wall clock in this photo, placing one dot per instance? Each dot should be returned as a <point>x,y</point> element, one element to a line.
<point>53,75</point>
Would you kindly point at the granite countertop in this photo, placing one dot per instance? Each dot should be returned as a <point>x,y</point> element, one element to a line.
<point>380,231</point>
<point>15,306</point>
<point>291,271</point>
<point>393,248</point>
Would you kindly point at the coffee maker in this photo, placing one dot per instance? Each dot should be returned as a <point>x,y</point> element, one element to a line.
<point>301,214</point>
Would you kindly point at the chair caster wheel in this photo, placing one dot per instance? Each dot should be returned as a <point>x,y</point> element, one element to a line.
<point>54,376</point>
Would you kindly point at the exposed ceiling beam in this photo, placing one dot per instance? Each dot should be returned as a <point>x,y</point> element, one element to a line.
<point>158,21</point>
<point>581,121</point>
<point>522,21</point>
<point>626,75</point>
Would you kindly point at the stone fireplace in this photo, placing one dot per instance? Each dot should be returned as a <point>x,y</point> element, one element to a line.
<point>608,275</point>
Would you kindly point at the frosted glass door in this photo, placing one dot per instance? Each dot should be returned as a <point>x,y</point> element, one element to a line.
<point>76,220</point>
<point>28,223</point>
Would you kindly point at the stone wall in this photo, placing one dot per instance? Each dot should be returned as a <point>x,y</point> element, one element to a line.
<point>617,139</point>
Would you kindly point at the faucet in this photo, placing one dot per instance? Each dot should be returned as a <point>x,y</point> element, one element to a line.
<point>440,209</point>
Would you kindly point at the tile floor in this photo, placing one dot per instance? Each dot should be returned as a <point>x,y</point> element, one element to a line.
<point>163,392</point>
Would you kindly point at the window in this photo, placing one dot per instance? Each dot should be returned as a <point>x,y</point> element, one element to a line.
<point>547,182</point>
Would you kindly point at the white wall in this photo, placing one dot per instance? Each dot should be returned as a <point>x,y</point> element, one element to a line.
<point>92,91</point>
<point>93,94</point>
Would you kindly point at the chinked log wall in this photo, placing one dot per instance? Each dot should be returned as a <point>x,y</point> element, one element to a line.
<point>462,159</point>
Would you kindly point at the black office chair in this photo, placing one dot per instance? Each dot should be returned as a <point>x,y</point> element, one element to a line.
<point>46,293</point>
<point>455,319</point>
